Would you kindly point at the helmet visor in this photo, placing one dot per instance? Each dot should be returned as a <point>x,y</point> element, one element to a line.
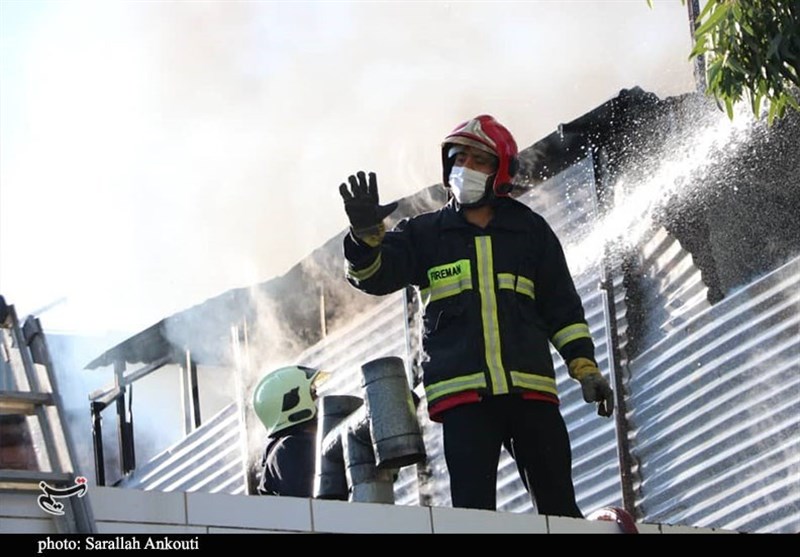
<point>460,140</point>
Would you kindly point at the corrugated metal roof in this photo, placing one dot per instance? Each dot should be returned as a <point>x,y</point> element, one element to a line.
<point>210,459</point>
<point>716,408</point>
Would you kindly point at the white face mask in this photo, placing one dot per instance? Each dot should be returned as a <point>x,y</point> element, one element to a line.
<point>468,185</point>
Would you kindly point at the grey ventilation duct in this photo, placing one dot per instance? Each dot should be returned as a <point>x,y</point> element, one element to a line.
<point>361,443</point>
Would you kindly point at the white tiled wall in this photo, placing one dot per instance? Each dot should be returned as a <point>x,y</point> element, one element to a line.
<point>260,513</point>
<point>644,528</point>
<point>105,527</point>
<point>565,525</point>
<point>20,504</point>
<point>467,521</point>
<point>357,518</point>
<point>26,526</point>
<point>677,529</point>
<point>133,505</point>
<point>126,511</point>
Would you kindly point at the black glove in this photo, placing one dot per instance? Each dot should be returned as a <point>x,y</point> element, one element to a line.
<point>365,212</point>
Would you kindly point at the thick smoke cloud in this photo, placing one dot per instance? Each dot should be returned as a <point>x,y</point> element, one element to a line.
<point>156,154</point>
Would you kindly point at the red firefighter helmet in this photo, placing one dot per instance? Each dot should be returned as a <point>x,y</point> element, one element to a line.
<point>486,133</point>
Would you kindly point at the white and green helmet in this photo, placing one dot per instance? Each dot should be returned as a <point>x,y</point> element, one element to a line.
<point>285,397</point>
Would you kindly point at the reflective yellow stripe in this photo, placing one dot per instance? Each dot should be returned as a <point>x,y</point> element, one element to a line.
<point>477,381</point>
<point>570,333</point>
<point>519,284</point>
<point>491,325</point>
<point>534,382</point>
<point>452,386</point>
<point>506,281</point>
<point>447,280</point>
<point>367,272</point>
<point>525,286</point>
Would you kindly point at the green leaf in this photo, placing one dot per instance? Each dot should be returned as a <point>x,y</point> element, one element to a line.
<point>698,50</point>
<point>729,107</point>
<point>707,8</point>
<point>737,11</point>
<point>756,104</point>
<point>732,63</point>
<point>714,74</point>
<point>773,110</point>
<point>788,74</point>
<point>719,13</point>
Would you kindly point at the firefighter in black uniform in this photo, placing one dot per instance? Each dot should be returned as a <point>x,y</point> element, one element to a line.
<point>497,292</point>
<point>284,401</point>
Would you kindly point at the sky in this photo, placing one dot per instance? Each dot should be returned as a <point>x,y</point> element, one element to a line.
<point>155,154</point>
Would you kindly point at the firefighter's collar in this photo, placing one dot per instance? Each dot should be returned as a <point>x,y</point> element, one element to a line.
<point>509,214</point>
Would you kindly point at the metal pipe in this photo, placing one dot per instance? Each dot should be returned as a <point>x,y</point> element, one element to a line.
<point>362,443</point>
<point>693,7</point>
<point>241,408</point>
<point>368,483</point>
<point>396,435</point>
<point>330,479</point>
<point>194,389</point>
<point>125,432</point>
<point>186,394</point>
<point>97,435</point>
<point>323,326</point>
<point>615,355</point>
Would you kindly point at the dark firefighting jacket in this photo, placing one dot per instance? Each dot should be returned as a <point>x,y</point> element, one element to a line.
<point>494,299</point>
<point>287,465</point>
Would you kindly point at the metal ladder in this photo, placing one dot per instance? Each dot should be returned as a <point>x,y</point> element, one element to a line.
<point>30,400</point>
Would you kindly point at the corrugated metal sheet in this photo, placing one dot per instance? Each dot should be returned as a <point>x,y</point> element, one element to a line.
<point>677,293</point>
<point>375,334</point>
<point>210,459</point>
<point>716,413</point>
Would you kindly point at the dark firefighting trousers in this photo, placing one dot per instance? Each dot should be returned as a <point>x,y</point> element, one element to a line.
<point>534,433</point>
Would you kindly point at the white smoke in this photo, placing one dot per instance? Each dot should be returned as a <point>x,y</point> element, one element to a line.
<point>155,154</point>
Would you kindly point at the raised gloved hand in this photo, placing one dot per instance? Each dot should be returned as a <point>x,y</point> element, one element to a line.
<point>365,212</point>
<point>594,386</point>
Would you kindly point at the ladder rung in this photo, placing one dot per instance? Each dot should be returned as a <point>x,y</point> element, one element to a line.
<point>29,479</point>
<point>23,402</point>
